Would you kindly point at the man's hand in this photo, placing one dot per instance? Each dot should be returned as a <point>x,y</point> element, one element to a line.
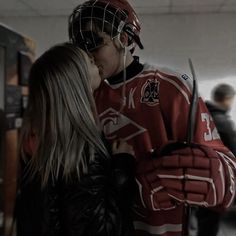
<point>153,195</point>
<point>191,174</point>
<point>200,179</point>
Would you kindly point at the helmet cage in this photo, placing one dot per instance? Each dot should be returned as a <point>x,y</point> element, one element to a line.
<point>109,16</point>
<point>88,18</point>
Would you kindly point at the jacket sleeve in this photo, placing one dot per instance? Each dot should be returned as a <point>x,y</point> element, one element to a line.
<point>176,109</point>
<point>93,205</point>
<point>227,132</point>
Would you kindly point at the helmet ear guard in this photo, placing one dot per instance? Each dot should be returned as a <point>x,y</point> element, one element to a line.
<point>125,41</point>
<point>128,29</point>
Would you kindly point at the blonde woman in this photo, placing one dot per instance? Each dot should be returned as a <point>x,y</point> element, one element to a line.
<point>70,184</point>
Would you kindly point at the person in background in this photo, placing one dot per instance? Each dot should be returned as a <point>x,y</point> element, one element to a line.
<point>221,103</point>
<point>149,107</point>
<point>70,183</point>
<point>223,96</point>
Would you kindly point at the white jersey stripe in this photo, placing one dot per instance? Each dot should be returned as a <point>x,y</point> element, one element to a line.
<point>188,83</point>
<point>115,86</point>
<point>157,230</point>
<point>176,85</point>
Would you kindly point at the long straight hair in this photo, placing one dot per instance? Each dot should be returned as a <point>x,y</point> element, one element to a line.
<point>61,113</point>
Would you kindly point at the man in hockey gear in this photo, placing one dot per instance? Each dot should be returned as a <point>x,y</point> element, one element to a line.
<point>194,175</point>
<point>148,106</point>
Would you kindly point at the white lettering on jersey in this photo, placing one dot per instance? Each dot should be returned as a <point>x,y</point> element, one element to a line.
<point>116,125</point>
<point>131,98</point>
<point>210,134</point>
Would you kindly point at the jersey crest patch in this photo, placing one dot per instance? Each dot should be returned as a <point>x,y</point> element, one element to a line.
<point>118,125</point>
<point>150,92</point>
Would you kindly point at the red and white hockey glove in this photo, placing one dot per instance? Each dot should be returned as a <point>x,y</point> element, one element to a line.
<point>200,179</point>
<point>193,174</point>
<point>152,193</point>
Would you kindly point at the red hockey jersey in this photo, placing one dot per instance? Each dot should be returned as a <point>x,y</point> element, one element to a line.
<point>156,111</point>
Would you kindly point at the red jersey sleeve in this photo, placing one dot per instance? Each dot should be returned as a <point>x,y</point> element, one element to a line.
<point>175,107</point>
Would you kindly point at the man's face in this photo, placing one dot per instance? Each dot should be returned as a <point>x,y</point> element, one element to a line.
<point>93,71</point>
<point>228,103</point>
<point>108,56</point>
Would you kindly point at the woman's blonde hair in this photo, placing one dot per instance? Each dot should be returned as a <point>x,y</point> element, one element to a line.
<point>61,113</point>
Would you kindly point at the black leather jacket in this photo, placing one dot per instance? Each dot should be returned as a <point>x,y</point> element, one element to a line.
<point>224,125</point>
<point>97,204</point>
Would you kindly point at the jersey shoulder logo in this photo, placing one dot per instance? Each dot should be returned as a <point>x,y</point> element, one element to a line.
<point>150,92</point>
<point>185,76</point>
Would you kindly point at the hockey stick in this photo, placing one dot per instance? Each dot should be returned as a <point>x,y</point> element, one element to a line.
<point>193,106</point>
<point>188,142</point>
<point>190,136</point>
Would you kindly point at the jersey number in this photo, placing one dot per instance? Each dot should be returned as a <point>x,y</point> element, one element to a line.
<point>211,134</point>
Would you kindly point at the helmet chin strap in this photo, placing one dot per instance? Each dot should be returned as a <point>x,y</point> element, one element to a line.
<point>123,96</point>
